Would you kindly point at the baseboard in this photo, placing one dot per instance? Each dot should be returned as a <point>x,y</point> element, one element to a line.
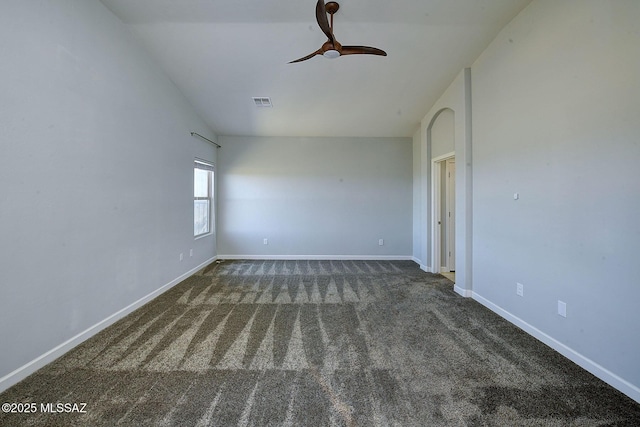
<point>599,371</point>
<point>321,257</point>
<point>423,267</point>
<point>51,355</point>
<point>464,292</point>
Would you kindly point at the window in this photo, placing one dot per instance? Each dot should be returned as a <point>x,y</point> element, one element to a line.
<point>202,198</point>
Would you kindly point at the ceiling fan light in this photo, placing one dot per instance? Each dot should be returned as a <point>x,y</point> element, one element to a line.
<point>331,54</point>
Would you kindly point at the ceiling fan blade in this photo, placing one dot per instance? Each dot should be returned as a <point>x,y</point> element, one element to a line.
<point>323,22</point>
<point>356,50</point>
<point>304,58</point>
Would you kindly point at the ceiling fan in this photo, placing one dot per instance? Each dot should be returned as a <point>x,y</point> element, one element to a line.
<point>331,48</point>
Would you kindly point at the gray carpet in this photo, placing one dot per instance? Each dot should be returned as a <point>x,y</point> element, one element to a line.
<point>317,343</point>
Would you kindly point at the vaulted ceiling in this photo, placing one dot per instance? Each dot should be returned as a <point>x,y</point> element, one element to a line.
<point>221,53</point>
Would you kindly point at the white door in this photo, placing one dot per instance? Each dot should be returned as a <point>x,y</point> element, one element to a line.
<point>450,219</point>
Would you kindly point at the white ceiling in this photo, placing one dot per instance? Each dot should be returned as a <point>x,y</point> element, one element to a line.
<point>221,53</point>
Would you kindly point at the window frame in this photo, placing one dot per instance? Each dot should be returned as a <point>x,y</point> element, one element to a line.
<point>209,167</point>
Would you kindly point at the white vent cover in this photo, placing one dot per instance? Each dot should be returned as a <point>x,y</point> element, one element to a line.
<point>262,102</point>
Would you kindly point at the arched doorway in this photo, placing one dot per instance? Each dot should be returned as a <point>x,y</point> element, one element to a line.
<point>441,140</point>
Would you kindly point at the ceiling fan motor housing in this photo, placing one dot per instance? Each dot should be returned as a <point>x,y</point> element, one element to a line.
<point>331,50</point>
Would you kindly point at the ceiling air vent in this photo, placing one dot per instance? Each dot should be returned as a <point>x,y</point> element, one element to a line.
<point>262,102</point>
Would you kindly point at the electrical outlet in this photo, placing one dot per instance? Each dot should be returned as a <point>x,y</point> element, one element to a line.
<point>562,308</point>
<point>380,242</point>
<point>190,252</point>
<point>181,256</point>
<point>520,289</point>
<point>265,241</point>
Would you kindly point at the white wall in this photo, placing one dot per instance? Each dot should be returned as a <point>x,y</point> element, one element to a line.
<point>556,119</point>
<point>96,178</point>
<point>443,134</point>
<point>315,197</point>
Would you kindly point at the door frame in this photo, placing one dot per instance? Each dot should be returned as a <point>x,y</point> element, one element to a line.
<point>437,163</point>
<point>450,220</point>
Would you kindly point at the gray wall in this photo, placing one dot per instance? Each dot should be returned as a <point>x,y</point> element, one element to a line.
<point>556,119</point>
<point>419,218</point>
<point>319,197</point>
<point>96,177</point>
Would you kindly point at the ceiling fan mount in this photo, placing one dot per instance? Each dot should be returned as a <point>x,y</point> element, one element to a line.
<point>332,7</point>
<point>332,48</point>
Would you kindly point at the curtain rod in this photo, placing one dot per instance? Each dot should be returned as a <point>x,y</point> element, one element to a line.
<point>206,139</point>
